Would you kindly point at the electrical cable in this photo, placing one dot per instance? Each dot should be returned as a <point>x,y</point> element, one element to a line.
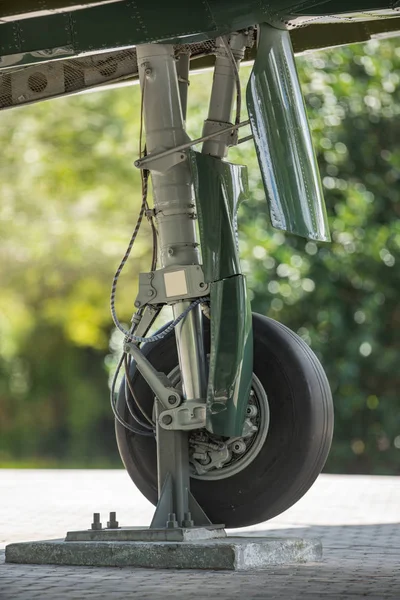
<point>129,337</point>
<point>127,253</point>
<point>128,385</point>
<point>148,428</point>
<point>119,418</point>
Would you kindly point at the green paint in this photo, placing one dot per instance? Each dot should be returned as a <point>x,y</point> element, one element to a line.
<point>231,356</point>
<point>109,26</point>
<point>283,140</point>
<point>219,187</point>
<point>46,35</point>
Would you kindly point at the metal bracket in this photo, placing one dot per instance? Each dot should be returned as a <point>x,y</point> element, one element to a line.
<point>165,509</point>
<point>171,284</point>
<point>220,128</point>
<point>159,382</point>
<point>189,415</point>
<point>163,163</point>
<point>144,319</point>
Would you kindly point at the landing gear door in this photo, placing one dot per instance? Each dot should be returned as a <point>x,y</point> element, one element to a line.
<point>283,139</point>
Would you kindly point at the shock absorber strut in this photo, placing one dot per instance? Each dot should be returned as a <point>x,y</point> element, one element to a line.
<point>175,214</point>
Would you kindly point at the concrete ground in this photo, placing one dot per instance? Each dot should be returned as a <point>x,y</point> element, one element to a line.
<point>357,518</point>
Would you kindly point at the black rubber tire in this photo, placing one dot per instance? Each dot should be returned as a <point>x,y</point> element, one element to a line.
<point>298,440</point>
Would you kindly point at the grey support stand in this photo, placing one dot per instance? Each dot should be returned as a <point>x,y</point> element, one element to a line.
<point>180,534</point>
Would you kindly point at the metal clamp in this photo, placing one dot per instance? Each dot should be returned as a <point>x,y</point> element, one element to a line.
<point>189,415</point>
<point>163,163</point>
<point>219,129</point>
<point>171,284</point>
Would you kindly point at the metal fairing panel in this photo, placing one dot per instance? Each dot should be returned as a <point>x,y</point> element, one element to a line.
<point>14,10</point>
<point>231,359</point>
<point>283,141</point>
<point>219,187</point>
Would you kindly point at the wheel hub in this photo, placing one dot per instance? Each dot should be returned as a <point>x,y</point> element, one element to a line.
<point>215,457</point>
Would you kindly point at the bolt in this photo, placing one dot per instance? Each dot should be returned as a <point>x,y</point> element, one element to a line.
<point>96,521</point>
<point>251,410</point>
<point>170,251</point>
<point>202,284</point>
<point>171,399</point>
<point>149,275</point>
<point>112,523</point>
<point>167,420</point>
<point>187,520</point>
<point>137,303</point>
<point>148,71</point>
<point>172,522</point>
<point>150,293</point>
<point>239,447</point>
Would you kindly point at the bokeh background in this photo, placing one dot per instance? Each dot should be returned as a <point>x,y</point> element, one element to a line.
<point>68,203</point>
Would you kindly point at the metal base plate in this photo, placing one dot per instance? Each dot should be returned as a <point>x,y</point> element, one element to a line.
<point>145,534</point>
<point>230,553</point>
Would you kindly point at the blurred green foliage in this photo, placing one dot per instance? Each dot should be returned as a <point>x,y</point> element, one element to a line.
<point>69,200</point>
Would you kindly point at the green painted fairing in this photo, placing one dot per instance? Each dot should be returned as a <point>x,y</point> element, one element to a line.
<point>219,187</point>
<point>283,141</point>
<point>231,357</point>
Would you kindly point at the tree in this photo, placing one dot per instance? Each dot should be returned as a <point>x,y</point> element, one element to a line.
<point>70,198</point>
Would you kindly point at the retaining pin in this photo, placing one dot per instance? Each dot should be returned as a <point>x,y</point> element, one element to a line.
<point>187,521</point>
<point>96,521</point>
<point>112,523</point>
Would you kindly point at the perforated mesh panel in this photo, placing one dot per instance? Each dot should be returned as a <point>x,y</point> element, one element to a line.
<point>23,85</point>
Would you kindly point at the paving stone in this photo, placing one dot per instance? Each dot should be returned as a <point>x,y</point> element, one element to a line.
<point>356,517</point>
